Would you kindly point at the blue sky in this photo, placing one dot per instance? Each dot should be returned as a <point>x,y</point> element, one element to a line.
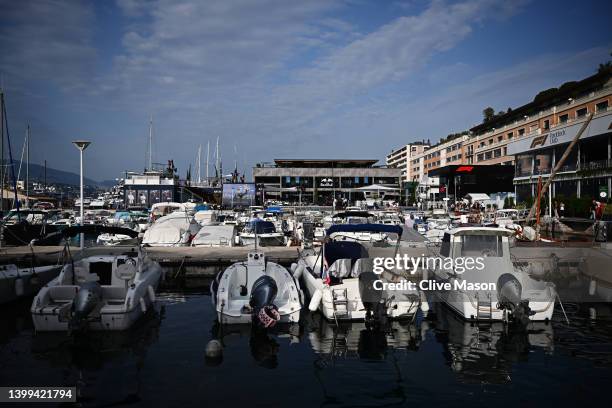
<point>275,78</point>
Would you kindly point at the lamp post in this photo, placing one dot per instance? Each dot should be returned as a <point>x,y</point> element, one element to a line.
<point>81,145</point>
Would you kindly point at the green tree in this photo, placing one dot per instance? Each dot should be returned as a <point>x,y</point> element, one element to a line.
<point>488,113</point>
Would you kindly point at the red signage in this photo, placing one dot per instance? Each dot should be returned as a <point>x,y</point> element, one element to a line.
<point>464,169</point>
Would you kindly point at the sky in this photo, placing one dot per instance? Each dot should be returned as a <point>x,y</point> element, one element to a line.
<point>276,78</point>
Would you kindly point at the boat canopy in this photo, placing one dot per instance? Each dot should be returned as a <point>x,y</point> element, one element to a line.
<point>347,214</point>
<point>275,209</point>
<point>392,229</point>
<point>97,229</point>
<point>259,226</point>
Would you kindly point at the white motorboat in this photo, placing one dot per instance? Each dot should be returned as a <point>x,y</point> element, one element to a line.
<point>262,233</point>
<point>256,291</point>
<point>494,290</point>
<point>357,218</point>
<point>339,279</point>
<point>215,236</point>
<point>17,282</point>
<point>98,293</point>
<point>175,229</point>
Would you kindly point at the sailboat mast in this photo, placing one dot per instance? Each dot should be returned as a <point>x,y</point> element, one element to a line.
<point>199,164</point>
<point>27,186</point>
<point>217,169</point>
<point>150,159</point>
<point>2,150</point>
<point>207,158</point>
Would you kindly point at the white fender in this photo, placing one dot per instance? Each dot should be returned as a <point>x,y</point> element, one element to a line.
<point>19,286</point>
<point>316,300</point>
<point>293,266</point>
<point>424,303</point>
<point>143,305</point>
<point>298,271</point>
<point>151,294</point>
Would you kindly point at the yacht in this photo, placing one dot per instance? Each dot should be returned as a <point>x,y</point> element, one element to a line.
<point>107,292</point>
<point>257,291</point>
<point>339,278</point>
<point>175,229</point>
<point>262,233</point>
<point>496,290</point>
<point>215,236</point>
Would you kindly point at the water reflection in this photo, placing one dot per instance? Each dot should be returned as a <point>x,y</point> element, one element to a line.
<point>357,365</point>
<point>354,340</point>
<point>486,352</point>
<point>262,343</point>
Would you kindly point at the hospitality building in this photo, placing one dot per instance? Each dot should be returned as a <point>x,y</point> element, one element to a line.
<point>320,180</point>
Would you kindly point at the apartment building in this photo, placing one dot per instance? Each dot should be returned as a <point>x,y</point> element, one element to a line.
<point>573,101</point>
<point>450,152</point>
<point>401,158</point>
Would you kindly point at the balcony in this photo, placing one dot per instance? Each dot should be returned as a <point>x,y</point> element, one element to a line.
<point>596,165</point>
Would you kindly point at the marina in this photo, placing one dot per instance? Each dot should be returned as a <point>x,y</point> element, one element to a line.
<point>236,203</point>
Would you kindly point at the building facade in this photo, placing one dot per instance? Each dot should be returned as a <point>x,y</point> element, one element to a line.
<point>587,170</point>
<point>402,158</point>
<point>319,181</point>
<point>572,102</point>
<point>450,152</point>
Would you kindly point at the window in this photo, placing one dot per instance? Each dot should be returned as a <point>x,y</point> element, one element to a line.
<point>497,153</point>
<point>459,156</point>
<point>500,138</point>
<point>510,135</point>
<point>488,155</point>
<point>546,124</point>
<point>521,132</point>
<point>481,144</point>
<point>581,112</point>
<point>480,157</point>
<point>563,118</point>
<point>601,106</point>
<point>490,141</point>
<point>482,245</point>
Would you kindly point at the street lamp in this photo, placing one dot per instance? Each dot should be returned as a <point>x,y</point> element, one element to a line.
<point>81,145</point>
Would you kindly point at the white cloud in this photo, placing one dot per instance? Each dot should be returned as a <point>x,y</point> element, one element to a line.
<point>47,40</point>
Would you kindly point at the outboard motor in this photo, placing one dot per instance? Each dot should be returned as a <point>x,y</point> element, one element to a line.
<point>376,311</point>
<point>87,299</point>
<point>509,292</point>
<point>263,293</point>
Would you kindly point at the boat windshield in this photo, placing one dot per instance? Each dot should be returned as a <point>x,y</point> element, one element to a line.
<point>481,245</point>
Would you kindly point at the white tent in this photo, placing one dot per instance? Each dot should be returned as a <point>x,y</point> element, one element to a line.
<point>376,187</point>
<point>477,197</point>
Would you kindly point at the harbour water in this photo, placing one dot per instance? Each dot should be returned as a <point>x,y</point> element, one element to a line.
<point>436,360</point>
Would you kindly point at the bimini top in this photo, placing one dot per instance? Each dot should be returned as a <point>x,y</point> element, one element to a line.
<point>262,227</point>
<point>97,229</point>
<point>347,214</point>
<point>477,230</point>
<point>274,209</point>
<point>392,229</point>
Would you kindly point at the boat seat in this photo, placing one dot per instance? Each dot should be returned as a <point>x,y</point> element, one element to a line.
<point>341,268</point>
<point>362,265</point>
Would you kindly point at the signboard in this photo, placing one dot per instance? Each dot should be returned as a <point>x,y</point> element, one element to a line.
<point>603,192</point>
<point>598,126</point>
<point>238,195</point>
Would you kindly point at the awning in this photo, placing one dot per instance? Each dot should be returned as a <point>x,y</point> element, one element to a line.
<point>478,196</point>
